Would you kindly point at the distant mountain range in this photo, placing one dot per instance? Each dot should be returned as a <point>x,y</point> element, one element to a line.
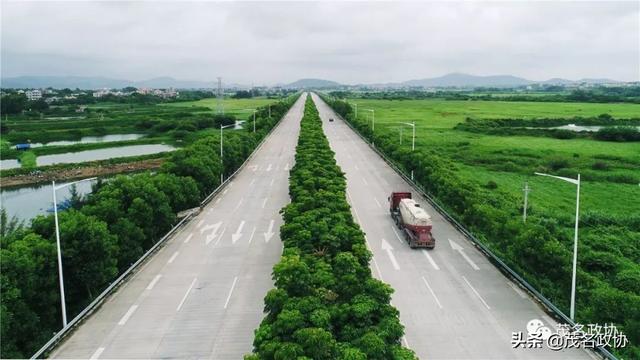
<point>449,80</point>
<point>466,80</point>
<point>312,83</point>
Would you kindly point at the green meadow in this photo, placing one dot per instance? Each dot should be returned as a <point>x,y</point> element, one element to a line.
<point>610,170</point>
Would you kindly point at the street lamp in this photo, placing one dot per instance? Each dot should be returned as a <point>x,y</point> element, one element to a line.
<point>413,142</point>
<point>254,117</point>
<point>221,152</point>
<point>54,188</point>
<point>575,239</point>
<point>373,119</point>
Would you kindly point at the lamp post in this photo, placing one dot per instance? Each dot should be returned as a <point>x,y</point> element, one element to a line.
<point>526,190</point>
<point>413,141</point>
<point>221,152</point>
<point>54,188</point>
<point>373,119</point>
<point>575,239</point>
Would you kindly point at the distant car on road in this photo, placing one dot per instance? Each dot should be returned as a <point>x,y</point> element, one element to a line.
<point>331,119</point>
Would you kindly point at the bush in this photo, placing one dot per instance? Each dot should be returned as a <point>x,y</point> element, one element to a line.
<point>557,163</point>
<point>491,185</point>
<point>600,165</point>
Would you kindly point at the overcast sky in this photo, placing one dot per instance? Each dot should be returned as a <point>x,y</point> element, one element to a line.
<point>357,42</point>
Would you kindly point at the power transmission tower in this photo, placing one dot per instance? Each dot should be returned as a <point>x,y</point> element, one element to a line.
<point>220,95</point>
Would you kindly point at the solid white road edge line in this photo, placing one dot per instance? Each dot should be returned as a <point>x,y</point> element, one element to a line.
<point>231,292</point>
<point>184,298</point>
<point>477,294</point>
<point>397,235</point>
<point>252,233</point>
<point>433,263</point>
<point>518,291</point>
<point>432,293</point>
<point>188,238</point>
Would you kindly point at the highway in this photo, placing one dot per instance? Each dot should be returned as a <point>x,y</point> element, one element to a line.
<point>201,295</point>
<point>453,302</point>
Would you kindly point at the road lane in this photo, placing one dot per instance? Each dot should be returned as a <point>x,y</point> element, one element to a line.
<point>453,302</point>
<point>201,295</point>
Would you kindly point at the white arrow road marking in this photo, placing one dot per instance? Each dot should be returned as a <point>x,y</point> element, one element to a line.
<point>231,292</point>
<point>269,167</point>
<point>208,227</point>
<point>184,298</point>
<point>286,167</point>
<point>97,353</point>
<point>432,293</point>
<point>127,315</point>
<point>238,234</point>
<point>477,294</point>
<point>153,282</point>
<point>459,249</point>
<point>213,234</point>
<point>377,202</point>
<point>433,263</point>
<point>200,223</point>
<point>264,202</point>
<point>387,247</point>
<point>253,232</point>
<point>220,237</point>
<point>188,238</point>
<point>173,257</point>
<point>269,234</point>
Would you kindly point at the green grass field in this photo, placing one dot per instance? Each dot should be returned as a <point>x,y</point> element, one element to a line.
<point>446,114</point>
<point>159,123</point>
<point>235,106</point>
<point>509,161</point>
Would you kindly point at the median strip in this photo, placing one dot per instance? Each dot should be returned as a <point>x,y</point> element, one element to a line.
<point>325,304</point>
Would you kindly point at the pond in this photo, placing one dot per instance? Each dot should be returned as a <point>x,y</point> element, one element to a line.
<point>28,202</point>
<point>102,154</point>
<point>91,139</point>
<point>92,155</point>
<point>9,164</point>
<point>574,127</point>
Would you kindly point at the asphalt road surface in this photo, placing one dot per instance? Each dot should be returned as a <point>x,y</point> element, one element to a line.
<point>201,296</point>
<point>453,302</point>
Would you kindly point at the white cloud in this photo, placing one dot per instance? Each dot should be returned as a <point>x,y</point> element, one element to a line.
<point>270,42</point>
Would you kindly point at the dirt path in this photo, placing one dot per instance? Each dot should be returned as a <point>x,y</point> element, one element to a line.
<point>82,172</point>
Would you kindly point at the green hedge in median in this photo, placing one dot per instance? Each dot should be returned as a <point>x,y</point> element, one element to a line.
<point>326,304</point>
